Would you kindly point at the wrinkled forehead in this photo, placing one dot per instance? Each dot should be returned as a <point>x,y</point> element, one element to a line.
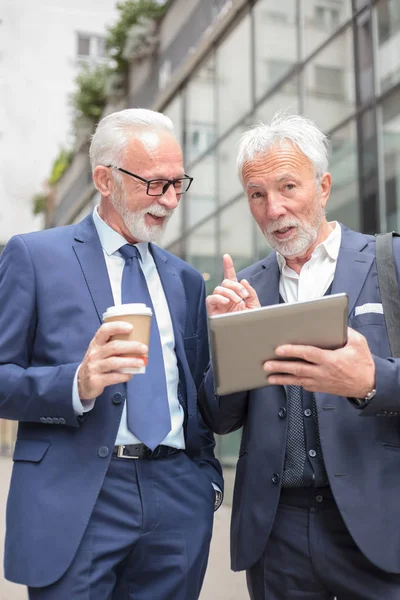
<point>284,158</point>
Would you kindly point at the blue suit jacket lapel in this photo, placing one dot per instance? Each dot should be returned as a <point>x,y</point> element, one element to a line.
<point>353,266</point>
<point>90,255</point>
<point>266,281</point>
<point>173,289</point>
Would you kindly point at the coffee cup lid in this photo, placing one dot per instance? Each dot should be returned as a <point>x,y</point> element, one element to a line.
<point>127,309</point>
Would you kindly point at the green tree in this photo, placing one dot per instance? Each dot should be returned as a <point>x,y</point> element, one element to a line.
<point>39,202</point>
<point>60,165</point>
<point>90,97</point>
<point>130,13</point>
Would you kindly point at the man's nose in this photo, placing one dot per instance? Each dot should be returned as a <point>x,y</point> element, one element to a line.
<point>275,208</point>
<point>170,199</point>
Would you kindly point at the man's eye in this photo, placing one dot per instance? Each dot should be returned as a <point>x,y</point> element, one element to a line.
<point>290,186</point>
<point>255,195</point>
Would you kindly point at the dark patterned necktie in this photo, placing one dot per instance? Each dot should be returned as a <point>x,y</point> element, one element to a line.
<point>295,456</point>
<point>148,412</point>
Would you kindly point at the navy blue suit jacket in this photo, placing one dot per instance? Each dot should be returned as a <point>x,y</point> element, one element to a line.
<point>54,288</point>
<point>361,448</point>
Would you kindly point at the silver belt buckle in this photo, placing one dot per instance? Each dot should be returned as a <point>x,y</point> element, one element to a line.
<point>120,453</point>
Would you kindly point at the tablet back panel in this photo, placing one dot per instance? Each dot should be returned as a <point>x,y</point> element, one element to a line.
<point>241,342</point>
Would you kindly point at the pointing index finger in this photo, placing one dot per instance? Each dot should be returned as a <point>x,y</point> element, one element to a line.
<point>229,269</point>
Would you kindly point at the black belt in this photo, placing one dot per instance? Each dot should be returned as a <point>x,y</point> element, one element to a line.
<point>307,497</point>
<point>141,451</point>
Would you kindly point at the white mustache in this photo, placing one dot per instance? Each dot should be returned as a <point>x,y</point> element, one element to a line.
<point>159,211</point>
<point>281,225</point>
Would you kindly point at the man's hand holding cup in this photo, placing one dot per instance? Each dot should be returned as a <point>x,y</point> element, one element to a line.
<point>118,350</point>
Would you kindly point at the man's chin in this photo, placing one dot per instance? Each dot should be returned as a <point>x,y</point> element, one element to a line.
<point>153,234</point>
<point>288,250</point>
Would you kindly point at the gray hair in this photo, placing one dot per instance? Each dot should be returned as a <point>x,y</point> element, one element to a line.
<point>111,135</point>
<point>300,131</point>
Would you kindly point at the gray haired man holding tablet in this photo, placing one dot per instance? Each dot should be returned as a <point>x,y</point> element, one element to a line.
<point>316,502</point>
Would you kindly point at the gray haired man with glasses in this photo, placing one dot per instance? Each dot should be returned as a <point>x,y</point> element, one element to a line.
<point>115,480</point>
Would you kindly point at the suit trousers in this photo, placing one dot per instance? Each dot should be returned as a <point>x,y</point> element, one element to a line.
<point>311,555</point>
<point>148,536</point>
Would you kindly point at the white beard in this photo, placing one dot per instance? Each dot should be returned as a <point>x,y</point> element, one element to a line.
<point>304,237</point>
<point>135,221</point>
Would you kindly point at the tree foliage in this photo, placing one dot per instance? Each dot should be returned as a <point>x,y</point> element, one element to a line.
<point>130,13</point>
<point>39,202</point>
<point>60,165</point>
<point>90,97</point>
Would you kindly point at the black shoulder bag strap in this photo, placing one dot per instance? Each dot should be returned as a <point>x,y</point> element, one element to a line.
<point>389,289</point>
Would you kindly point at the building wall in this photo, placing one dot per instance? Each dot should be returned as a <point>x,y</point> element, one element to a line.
<point>38,64</point>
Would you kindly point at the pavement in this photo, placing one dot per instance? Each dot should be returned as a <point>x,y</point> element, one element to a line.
<point>220,582</point>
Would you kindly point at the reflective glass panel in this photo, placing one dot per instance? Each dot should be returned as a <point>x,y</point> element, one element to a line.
<point>201,197</point>
<point>276,44</point>
<point>285,99</point>
<point>229,183</point>
<point>329,83</point>
<point>320,20</point>
<point>200,111</point>
<point>236,234</point>
<point>388,64</point>
<point>343,203</point>
<point>173,110</point>
<point>234,76</point>
<point>201,252</point>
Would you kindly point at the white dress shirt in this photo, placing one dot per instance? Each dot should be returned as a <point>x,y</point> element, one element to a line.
<point>111,241</point>
<point>316,274</point>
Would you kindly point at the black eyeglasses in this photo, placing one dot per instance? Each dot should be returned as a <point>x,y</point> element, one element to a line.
<point>159,187</point>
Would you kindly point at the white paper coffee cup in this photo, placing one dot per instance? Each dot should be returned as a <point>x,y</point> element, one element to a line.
<point>139,315</point>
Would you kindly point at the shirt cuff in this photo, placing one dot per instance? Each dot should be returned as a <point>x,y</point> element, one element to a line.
<point>78,407</point>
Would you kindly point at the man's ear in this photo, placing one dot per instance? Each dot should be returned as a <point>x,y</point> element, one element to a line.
<point>325,188</point>
<point>102,180</point>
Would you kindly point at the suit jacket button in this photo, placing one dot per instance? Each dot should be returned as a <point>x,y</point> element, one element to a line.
<point>282,413</point>
<point>49,420</point>
<point>56,421</point>
<point>103,452</point>
<point>275,478</point>
<point>117,398</point>
<point>43,420</point>
<point>62,421</point>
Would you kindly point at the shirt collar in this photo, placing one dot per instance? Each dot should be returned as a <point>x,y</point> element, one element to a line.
<point>330,246</point>
<point>111,241</point>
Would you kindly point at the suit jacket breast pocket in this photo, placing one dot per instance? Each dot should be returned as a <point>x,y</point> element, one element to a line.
<point>373,327</point>
<point>190,344</point>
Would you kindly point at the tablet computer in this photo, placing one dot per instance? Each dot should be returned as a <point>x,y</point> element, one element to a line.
<point>241,342</point>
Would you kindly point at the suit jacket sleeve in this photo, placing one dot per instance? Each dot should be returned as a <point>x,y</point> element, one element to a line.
<point>387,400</point>
<point>223,414</point>
<point>28,391</point>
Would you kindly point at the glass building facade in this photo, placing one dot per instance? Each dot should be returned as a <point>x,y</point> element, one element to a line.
<point>223,66</point>
<point>334,61</point>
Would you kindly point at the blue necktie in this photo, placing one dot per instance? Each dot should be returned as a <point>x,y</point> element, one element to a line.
<point>148,412</point>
